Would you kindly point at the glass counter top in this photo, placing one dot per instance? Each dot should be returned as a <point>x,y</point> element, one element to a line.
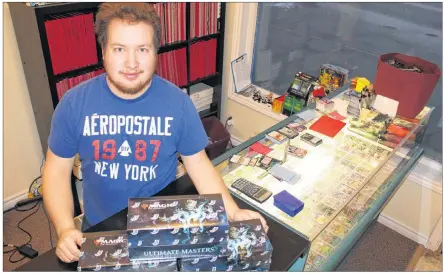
<point>334,175</point>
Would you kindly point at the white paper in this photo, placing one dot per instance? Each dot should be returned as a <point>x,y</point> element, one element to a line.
<point>386,106</point>
<point>241,72</point>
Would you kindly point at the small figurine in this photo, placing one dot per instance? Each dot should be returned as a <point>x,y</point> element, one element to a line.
<point>268,99</point>
<point>257,96</point>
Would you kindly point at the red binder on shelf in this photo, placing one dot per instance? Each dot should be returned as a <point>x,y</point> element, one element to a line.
<point>72,42</point>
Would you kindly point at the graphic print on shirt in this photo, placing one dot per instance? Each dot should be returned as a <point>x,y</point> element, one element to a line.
<point>112,127</point>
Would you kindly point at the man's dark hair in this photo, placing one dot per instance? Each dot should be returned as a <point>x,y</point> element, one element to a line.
<point>130,13</point>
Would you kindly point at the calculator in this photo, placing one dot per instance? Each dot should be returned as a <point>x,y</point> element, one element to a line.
<point>256,192</point>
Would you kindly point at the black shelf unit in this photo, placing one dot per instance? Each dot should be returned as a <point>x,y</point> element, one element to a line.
<point>29,26</point>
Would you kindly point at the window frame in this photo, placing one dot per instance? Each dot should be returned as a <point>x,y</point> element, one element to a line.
<point>242,41</point>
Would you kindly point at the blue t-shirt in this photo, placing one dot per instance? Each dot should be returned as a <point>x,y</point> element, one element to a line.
<point>128,148</point>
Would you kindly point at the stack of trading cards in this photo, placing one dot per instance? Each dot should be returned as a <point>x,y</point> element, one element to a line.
<point>276,137</point>
<point>296,151</point>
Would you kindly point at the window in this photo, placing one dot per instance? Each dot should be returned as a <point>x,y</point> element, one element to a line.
<point>292,37</point>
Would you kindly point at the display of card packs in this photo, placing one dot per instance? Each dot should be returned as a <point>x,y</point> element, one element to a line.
<point>108,251</point>
<point>176,226</point>
<point>248,249</point>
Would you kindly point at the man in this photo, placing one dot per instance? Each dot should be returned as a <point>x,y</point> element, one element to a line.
<point>127,126</point>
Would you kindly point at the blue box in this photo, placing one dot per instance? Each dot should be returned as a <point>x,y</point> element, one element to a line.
<point>288,203</point>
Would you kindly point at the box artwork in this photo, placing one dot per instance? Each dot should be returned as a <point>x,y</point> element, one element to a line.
<point>176,226</point>
<point>108,251</point>
<point>220,263</point>
<point>248,249</point>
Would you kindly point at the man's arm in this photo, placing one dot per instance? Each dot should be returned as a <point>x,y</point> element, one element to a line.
<point>57,192</point>
<point>208,181</point>
<point>58,202</point>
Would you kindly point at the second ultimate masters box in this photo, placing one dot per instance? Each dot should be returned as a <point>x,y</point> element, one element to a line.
<point>176,226</point>
<point>108,251</point>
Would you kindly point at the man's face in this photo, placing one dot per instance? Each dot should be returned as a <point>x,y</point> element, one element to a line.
<point>129,58</point>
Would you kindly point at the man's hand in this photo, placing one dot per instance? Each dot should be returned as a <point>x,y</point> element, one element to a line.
<point>67,250</point>
<point>244,214</point>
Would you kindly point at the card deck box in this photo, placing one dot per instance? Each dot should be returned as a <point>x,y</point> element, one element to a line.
<point>288,203</point>
<point>248,249</point>
<point>108,251</point>
<point>176,226</point>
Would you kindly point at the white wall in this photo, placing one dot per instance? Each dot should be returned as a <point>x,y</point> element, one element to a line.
<point>22,149</point>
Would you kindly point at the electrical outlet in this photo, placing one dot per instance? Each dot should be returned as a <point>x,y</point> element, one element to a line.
<point>229,121</point>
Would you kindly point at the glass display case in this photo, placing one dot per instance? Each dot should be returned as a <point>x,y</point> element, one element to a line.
<point>344,182</point>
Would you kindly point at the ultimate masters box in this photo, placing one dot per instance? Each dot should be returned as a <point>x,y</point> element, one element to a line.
<point>176,226</point>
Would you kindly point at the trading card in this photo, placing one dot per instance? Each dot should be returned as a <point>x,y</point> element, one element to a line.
<point>339,195</point>
<point>325,210</point>
<point>356,176</point>
<point>266,160</point>
<point>276,137</point>
<point>295,126</point>
<point>253,162</point>
<point>296,151</point>
<point>332,202</point>
<point>345,189</point>
<point>315,259</point>
<point>311,139</point>
<point>317,196</point>
<point>368,191</point>
<point>363,171</point>
<point>320,218</point>
<point>358,202</point>
<point>352,183</point>
<point>336,228</point>
<point>321,247</point>
<point>235,158</point>
<point>292,125</point>
<point>245,161</point>
<point>346,216</point>
<point>330,238</point>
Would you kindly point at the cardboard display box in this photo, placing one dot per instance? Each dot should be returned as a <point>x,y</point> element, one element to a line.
<point>108,251</point>
<point>176,226</point>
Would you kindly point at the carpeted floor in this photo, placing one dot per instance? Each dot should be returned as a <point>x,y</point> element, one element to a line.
<point>380,249</point>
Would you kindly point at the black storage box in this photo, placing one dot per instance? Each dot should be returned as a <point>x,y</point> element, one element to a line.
<point>218,137</point>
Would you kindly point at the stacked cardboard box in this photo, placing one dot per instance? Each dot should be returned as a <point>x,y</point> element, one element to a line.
<point>176,226</point>
<point>354,105</point>
<point>186,233</point>
<point>202,96</point>
<point>248,249</point>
